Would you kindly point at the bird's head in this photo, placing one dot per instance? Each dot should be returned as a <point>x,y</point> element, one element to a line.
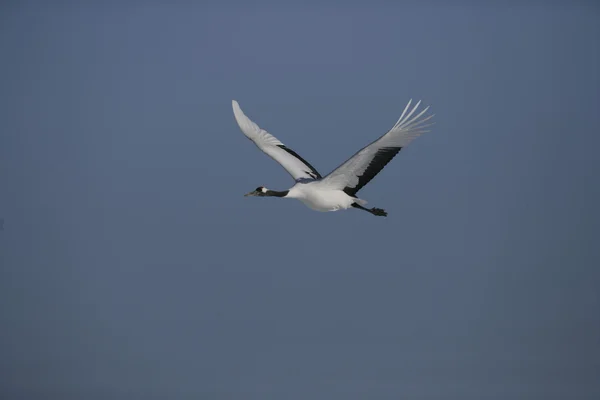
<point>259,191</point>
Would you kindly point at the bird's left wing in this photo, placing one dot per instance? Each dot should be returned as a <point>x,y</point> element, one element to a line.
<point>298,167</point>
<point>359,169</point>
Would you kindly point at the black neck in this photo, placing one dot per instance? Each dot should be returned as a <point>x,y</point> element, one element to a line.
<point>275,193</point>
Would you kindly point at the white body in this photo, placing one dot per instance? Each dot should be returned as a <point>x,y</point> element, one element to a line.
<point>317,196</point>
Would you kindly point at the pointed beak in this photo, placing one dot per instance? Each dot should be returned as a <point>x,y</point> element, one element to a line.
<point>252,193</point>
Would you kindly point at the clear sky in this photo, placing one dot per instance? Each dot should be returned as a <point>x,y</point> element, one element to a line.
<point>132,267</point>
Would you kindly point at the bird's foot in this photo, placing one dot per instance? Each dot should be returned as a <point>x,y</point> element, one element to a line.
<point>379,212</point>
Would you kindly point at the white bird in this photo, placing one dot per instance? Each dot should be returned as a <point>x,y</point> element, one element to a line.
<point>336,191</point>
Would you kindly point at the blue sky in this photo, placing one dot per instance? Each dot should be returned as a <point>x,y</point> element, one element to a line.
<point>133,267</point>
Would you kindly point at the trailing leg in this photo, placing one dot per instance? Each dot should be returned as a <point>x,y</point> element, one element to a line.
<point>375,211</point>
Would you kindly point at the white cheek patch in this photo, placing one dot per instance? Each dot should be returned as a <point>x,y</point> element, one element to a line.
<point>263,189</point>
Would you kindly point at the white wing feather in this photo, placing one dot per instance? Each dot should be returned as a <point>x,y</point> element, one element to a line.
<point>402,133</point>
<point>297,167</point>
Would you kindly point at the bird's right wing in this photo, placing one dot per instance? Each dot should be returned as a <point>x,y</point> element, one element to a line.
<point>357,171</point>
<point>298,167</point>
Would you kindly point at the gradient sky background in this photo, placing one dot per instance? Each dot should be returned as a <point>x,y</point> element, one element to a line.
<point>132,267</point>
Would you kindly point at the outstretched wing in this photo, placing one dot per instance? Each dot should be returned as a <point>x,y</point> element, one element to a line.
<point>357,171</point>
<point>298,167</point>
